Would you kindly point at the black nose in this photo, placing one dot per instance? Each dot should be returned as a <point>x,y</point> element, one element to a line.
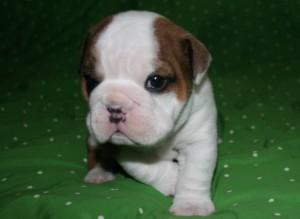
<point>116,114</point>
<point>114,109</point>
<point>117,119</point>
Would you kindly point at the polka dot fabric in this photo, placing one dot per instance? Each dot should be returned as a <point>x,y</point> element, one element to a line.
<point>255,74</point>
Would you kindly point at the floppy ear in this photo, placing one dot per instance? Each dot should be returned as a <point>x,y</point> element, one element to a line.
<point>83,49</point>
<point>87,59</point>
<point>199,57</point>
<point>84,66</point>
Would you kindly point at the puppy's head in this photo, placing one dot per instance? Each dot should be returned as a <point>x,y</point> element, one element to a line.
<point>137,73</point>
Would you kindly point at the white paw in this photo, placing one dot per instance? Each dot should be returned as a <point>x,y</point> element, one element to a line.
<point>98,175</point>
<point>166,184</point>
<point>194,207</point>
<point>167,188</point>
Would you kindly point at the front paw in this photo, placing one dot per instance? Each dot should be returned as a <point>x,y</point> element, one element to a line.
<point>193,207</point>
<point>166,184</point>
<point>98,175</point>
<point>166,188</point>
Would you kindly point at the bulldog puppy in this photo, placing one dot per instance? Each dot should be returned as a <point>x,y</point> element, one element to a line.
<point>151,108</point>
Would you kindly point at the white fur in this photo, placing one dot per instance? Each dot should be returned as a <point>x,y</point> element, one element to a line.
<point>161,127</point>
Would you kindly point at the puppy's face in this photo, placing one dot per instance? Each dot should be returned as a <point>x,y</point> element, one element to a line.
<point>137,72</point>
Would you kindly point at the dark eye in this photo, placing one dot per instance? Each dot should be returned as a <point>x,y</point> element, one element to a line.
<point>156,83</point>
<point>91,83</point>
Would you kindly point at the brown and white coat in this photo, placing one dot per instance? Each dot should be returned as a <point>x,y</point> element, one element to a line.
<point>151,107</point>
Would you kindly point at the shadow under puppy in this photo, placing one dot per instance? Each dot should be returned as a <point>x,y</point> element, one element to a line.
<point>151,107</point>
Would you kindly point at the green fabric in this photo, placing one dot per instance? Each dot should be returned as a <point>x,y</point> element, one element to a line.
<point>255,74</point>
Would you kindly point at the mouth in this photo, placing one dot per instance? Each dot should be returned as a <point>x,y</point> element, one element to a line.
<point>120,138</point>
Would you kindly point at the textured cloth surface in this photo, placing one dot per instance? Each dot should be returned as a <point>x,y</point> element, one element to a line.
<point>255,74</point>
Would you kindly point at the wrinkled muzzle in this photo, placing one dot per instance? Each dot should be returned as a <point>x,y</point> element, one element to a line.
<point>124,113</point>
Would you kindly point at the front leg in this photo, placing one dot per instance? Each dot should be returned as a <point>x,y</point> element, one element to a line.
<point>100,162</point>
<point>148,168</point>
<point>196,167</point>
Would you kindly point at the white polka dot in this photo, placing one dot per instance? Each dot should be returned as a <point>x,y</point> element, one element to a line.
<point>231,132</point>
<point>226,166</point>
<point>259,177</point>
<point>271,200</point>
<point>15,138</point>
<point>40,172</point>
<point>3,179</point>
<point>25,125</point>
<point>100,217</point>
<point>226,175</point>
<point>51,139</point>
<point>77,193</point>
<point>286,169</point>
<point>29,187</point>
<point>277,214</point>
<point>220,141</point>
<point>114,189</point>
<point>84,160</point>
<point>141,210</point>
<point>68,203</point>
<point>292,180</point>
<point>279,148</point>
<point>255,154</point>
<point>229,191</point>
<point>36,196</point>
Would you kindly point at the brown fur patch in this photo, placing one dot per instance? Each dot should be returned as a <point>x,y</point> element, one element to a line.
<point>181,53</point>
<point>88,59</point>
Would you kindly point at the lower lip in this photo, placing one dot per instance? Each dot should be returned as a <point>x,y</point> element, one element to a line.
<point>118,133</point>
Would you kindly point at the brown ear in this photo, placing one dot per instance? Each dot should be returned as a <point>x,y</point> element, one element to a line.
<point>89,79</point>
<point>82,65</point>
<point>199,57</point>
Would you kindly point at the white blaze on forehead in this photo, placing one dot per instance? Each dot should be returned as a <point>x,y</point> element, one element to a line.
<point>127,48</point>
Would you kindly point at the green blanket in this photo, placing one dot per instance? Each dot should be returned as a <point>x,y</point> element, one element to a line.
<point>255,74</point>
